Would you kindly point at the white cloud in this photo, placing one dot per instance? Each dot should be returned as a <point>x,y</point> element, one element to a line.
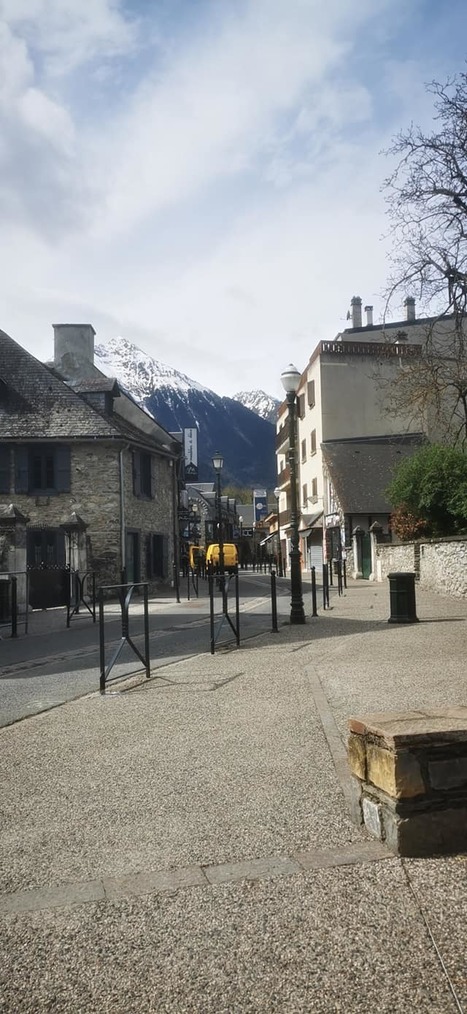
<point>216,198</point>
<point>69,33</point>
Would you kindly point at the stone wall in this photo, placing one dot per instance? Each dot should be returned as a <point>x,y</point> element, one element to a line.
<point>409,784</point>
<point>95,496</point>
<point>440,565</point>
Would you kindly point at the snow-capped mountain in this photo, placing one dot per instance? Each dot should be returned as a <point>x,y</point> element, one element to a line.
<point>139,373</point>
<point>258,401</point>
<point>245,439</point>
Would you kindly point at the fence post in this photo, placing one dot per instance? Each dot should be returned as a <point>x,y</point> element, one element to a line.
<point>146,632</point>
<point>14,606</point>
<point>101,642</point>
<point>211,605</point>
<point>274,601</point>
<point>313,592</point>
<point>325,586</point>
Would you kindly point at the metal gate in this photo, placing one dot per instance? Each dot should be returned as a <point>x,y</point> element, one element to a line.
<point>48,577</point>
<point>366,555</point>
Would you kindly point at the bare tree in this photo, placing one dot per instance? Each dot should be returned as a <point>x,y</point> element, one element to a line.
<point>427,203</point>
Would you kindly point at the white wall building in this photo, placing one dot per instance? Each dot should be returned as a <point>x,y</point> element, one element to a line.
<point>341,399</point>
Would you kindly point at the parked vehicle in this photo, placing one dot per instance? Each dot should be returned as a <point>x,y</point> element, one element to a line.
<point>230,556</point>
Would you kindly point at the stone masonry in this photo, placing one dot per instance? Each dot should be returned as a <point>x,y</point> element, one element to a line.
<point>440,564</point>
<point>410,779</point>
<point>95,496</point>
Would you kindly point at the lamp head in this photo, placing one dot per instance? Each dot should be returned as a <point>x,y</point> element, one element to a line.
<point>290,378</point>
<point>217,461</point>
<point>277,492</point>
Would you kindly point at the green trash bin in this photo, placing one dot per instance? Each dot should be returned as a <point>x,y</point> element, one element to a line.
<point>402,597</point>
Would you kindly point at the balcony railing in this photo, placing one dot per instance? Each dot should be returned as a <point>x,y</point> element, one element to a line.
<point>283,479</point>
<point>282,437</point>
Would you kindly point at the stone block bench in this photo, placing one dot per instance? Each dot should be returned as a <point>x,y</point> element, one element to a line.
<point>409,773</point>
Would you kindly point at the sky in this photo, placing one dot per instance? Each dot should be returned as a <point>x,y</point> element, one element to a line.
<point>204,177</point>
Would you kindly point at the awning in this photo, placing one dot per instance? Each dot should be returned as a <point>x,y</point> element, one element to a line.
<point>310,523</point>
<point>268,538</point>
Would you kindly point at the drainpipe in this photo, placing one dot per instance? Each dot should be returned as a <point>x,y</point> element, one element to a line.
<point>175,464</point>
<point>122,514</point>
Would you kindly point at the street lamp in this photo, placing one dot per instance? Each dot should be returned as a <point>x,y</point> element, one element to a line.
<point>218,464</point>
<point>290,378</point>
<point>277,494</point>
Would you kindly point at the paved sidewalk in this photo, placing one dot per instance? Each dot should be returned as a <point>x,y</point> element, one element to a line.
<point>186,845</point>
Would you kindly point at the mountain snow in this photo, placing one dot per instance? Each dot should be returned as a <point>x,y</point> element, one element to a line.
<point>260,403</point>
<point>138,372</point>
<point>141,375</point>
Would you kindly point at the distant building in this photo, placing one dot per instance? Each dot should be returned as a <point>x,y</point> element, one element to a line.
<point>347,442</point>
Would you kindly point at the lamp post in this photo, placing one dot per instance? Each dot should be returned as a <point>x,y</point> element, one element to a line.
<point>240,521</point>
<point>290,378</point>
<point>218,464</point>
<point>277,494</point>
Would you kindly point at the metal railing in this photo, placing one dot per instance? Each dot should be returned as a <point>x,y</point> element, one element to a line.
<point>78,597</point>
<point>9,603</point>
<point>124,593</point>
<point>224,583</point>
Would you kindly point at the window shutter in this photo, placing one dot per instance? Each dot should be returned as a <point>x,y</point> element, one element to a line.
<point>62,469</point>
<point>136,474</point>
<point>5,457</point>
<point>21,470</point>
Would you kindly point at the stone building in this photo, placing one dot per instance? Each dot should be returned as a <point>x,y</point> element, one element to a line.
<point>88,479</point>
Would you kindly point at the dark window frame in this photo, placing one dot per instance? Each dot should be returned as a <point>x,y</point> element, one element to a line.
<point>143,486</point>
<point>43,469</point>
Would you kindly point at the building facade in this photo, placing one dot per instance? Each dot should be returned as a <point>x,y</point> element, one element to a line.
<point>343,416</point>
<point>88,475</point>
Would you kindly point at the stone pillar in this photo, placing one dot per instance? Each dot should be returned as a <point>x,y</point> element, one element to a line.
<point>13,555</point>
<point>375,535</point>
<point>357,536</point>
<point>409,773</point>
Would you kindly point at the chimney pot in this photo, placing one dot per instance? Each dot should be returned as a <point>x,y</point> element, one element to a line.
<point>409,303</point>
<point>369,316</point>
<point>356,305</point>
<point>74,349</point>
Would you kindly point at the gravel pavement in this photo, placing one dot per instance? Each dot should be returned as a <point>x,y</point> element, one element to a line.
<point>184,844</point>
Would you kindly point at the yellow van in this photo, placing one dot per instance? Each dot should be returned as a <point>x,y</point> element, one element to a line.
<point>230,556</point>
<point>195,554</point>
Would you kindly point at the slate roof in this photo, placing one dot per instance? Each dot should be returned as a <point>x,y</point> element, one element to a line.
<point>37,404</point>
<point>361,469</point>
<point>40,405</point>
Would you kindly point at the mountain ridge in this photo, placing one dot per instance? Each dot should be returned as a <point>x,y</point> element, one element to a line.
<point>246,439</point>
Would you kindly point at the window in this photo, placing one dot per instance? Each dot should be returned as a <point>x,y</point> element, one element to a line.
<point>5,457</point>
<point>304,495</point>
<point>303,450</point>
<point>314,489</point>
<point>142,475</point>
<point>301,406</point>
<point>313,442</point>
<point>42,469</point>
<point>311,393</point>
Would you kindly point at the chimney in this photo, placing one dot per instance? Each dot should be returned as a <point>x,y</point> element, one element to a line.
<point>369,316</point>
<point>74,350</point>
<point>409,303</point>
<point>356,305</point>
